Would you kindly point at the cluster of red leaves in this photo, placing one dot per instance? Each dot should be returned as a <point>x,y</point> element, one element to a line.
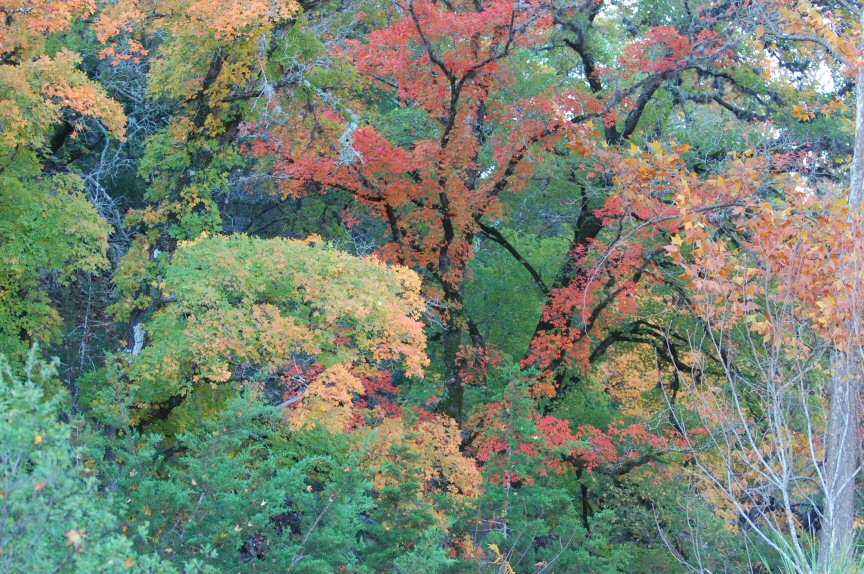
<point>599,297</point>
<point>622,442</point>
<point>664,49</point>
<point>463,41</point>
<point>548,443</point>
<point>380,393</point>
<point>476,362</point>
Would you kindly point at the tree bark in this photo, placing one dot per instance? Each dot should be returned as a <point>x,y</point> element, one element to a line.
<point>842,453</point>
<point>453,401</point>
<point>842,440</point>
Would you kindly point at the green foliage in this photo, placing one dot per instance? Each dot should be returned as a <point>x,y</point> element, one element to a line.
<point>503,298</point>
<point>533,516</point>
<point>48,228</point>
<point>542,525</point>
<point>237,306</point>
<point>245,494</point>
<point>239,496</point>
<point>406,532</point>
<point>53,517</point>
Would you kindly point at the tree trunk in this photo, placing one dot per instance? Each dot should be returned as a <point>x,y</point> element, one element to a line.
<point>842,454</point>
<point>842,442</point>
<point>452,403</point>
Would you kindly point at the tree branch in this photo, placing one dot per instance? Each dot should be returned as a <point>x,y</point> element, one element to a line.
<point>499,238</point>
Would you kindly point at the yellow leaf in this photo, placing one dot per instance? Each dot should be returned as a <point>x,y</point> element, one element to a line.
<point>74,538</point>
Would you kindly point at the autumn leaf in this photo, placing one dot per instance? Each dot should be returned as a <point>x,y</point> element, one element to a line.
<point>75,538</point>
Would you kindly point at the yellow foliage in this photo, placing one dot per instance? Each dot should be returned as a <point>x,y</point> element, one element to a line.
<point>440,461</point>
<point>242,306</point>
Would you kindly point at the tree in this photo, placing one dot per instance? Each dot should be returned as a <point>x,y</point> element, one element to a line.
<point>240,495</point>
<point>44,99</point>
<point>53,518</point>
<point>766,279</point>
<point>434,189</point>
<point>825,284</point>
<point>843,441</point>
<point>319,335</point>
<point>303,319</point>
<point>211,63</point>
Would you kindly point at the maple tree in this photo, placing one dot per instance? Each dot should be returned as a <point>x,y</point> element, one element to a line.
<point>438,190</point>
<point>236,308</point>
<point>433,193</point>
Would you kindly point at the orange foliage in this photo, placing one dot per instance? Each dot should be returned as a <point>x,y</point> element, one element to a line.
<point>435,440</point>
<point>41,89</point>
<point>224,38</point>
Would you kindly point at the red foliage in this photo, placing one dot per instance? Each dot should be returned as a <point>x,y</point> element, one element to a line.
<point>449,61</point>
<point>553,446</point>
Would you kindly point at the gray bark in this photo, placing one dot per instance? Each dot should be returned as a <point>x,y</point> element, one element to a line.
<point>842,442</point>
<point>841,464</point>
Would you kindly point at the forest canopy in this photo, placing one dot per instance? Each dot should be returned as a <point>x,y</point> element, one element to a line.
<point>439,286</point>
